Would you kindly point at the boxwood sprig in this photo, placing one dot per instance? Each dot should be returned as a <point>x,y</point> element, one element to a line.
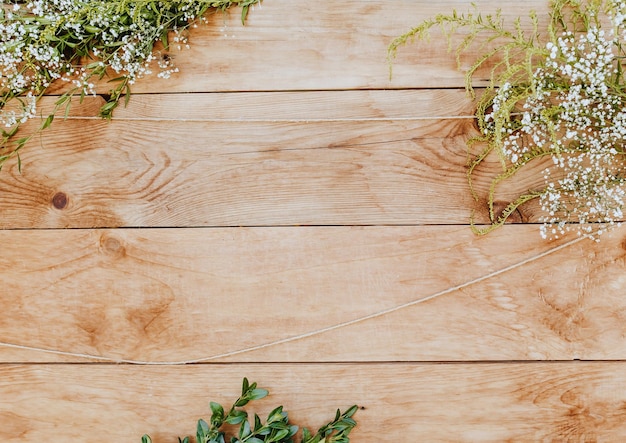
<point>276,429</point>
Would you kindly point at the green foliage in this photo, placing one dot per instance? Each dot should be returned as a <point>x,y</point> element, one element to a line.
<point>82,42</point>
<point>556,91</point>
<point>276,428</point>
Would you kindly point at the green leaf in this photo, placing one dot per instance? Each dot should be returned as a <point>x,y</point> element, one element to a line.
<point>202,431</point>
<point>11,133</point>
<point>236,417</point>
<point>62,100</point>
<point>242,401</point>
<point>350,412</point>
<point>165,39</point>
<point>244,430</point>
<point>276,415</point>
<point>257,423</point>
<point>216,409</point>
<point>244,14</point>
<point>258,393</point>
<point>349,422</point>
<point>109,106</point>
<point>146,439</point>
<point>117,79</point>
<point>281,434</point>
<point>92,29</point>
<point>46,124</point>
<point>22,141</point>
<point>293,430</point>
<point>245,386</point>
<point>126,94</point>
<point>94,65</point>
<point>68,106</point>
<point>106,111</point>
<point>308,438</point>
<point>278,425</point>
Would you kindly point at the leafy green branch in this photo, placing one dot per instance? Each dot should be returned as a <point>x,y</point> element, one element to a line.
<point>276,429</point>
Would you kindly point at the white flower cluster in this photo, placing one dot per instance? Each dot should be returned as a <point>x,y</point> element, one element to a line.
<point>40,39</point>
<point>573,115</point>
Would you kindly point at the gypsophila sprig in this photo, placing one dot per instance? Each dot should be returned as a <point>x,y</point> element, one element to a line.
<point>558,93</point>
<point>276,429</point>
<point>81,42</point>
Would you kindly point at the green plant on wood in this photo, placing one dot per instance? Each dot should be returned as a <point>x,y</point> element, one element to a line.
<point>276,428</point>
<point>556,97</point>
<point>81,42</point>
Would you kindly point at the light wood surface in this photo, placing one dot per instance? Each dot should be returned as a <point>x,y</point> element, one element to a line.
<point>332,158</point>
<point>303,45</point>
<point>150,293</point>
<point>517,402</point>
<point>284,210</point>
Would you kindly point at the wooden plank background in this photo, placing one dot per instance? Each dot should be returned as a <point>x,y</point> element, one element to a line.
<point>283,210</point>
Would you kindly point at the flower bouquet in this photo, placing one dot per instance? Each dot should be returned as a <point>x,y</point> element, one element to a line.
<point>555,92</point>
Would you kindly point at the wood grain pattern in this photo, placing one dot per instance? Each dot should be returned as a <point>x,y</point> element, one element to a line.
<point>312,161</point>
<point>299,106</point>
<point>305,106</point>
<point>515,402</point>
<point>293,120</point>
<point>301,45</point>
<point>176,295</point>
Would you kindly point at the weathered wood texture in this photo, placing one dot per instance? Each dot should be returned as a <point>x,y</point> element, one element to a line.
<point>177,295</point>
<point>305,45</point>
<point>329,158</point>
<point>289,122</point>
<point>516,402</point>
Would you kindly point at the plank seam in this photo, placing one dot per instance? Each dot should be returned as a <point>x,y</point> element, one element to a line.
<point>259,120</point>
<point>306,334</point>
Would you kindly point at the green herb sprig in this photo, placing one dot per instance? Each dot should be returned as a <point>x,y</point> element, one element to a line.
<point>81,42</point>
<point>276,429</point>
<point>556,93</point>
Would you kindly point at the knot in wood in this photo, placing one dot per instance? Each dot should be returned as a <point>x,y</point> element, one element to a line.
<point>59,201</point>
<point>112,246</point>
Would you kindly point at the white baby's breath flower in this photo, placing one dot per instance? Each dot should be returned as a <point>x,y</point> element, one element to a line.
<point>574,117</point>
<point>43,41</point>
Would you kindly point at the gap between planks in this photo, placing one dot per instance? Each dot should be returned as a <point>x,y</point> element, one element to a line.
<point>328,363</point>
<point>282,120</point>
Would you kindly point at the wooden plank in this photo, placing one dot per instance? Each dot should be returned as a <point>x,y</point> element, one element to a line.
<point>417,402</point>
<point>280,106</point>
<point>309,162</point>
<point>303,45</point>
<point>300,106</point>
<point>293,294</point>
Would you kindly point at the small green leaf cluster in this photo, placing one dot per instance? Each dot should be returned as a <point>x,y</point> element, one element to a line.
<point>337,431</point>
<point>82,42</point>
<point>554,93</point>
<point>276,429</point>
